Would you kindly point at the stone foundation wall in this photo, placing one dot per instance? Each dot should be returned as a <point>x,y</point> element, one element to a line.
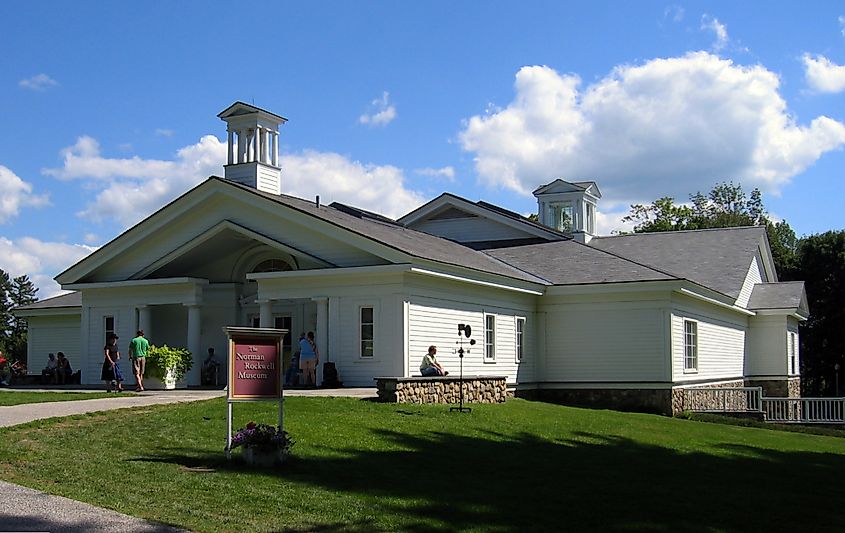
<point>684,400</point>
<point>445,389</point>
<point>639,400</point>
<point>794,387</point>
<point>777,388</point>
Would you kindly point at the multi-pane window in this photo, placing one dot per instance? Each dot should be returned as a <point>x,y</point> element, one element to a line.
<point>791,345</point>
<point>108,326</point>
<point>366,328</point>
<point>520,338</point>
<point>690,345</point>
<point>489,338</point>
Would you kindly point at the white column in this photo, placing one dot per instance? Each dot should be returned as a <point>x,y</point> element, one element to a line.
<point>321,333</point>
<point>194,343</point>
<point>241,146</point>
<point>265,313</point>
<point>230,154</point>
<point>145,322</point>
<point>263,145</point>
<point>275,135</point>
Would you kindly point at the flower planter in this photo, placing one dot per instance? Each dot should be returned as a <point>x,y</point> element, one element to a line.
<point>169,382</point>
<point>262,457</point>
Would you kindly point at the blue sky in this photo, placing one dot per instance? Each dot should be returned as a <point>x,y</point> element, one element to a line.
<point>110,107</point>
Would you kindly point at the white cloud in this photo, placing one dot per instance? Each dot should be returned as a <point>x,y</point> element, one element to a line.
<point>823,75</point>
<point>447,173</point>
<point>674,12</point>
<point>39,82</point>
<point>718,29</point>
<point>842,25</point>
<point>91,238</point>
<point>16,193</point>
<point>162,132</point>
<point>666,127</point>
<point>136,187</point>
<point>39,260</point>
<point>382,114</point>
<point>337,178</point>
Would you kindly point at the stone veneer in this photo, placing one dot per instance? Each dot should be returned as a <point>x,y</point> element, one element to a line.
<point>681,399</point>
<point>777,388</point>
<point>640,400</point>
<point>442,389</point>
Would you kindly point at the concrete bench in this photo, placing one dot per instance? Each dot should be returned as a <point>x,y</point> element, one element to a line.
<point>442,389</point>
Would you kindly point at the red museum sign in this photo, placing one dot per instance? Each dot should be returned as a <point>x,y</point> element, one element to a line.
<point>255,368</point>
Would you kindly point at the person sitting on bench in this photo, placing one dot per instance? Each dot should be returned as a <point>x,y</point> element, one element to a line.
<point>430,366</point>
<point>64,370</point>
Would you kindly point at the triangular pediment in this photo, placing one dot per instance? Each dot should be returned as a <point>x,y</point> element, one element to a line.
<point>560,186</point>
<point>240,109</point>
<point>219,220</point>
<point>476,224</point>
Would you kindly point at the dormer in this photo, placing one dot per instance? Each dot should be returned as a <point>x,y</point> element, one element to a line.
<point>253,147</point>
<point>569,207</point>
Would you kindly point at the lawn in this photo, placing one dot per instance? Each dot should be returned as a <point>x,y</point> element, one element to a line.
<point>21,397</point>
<point>363,466</point>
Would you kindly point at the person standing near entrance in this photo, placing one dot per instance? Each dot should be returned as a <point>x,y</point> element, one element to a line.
<point>138,354</point>
<point>309,358</point>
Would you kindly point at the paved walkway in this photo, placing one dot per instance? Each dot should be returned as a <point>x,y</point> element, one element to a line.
<point>25,509</point>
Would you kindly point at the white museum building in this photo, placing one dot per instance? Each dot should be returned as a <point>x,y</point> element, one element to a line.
<point>564,314</point>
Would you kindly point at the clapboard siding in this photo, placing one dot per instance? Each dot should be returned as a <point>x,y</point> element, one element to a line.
<point>435,322</point>
<point>470,229</point>
<point>353,369</point>
<point>53,334</point>
<point>767,346</point>
<point>600,343</point>
<point>721,341</point>
<point>752,277</point>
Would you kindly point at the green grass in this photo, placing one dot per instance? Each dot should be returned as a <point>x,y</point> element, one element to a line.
<point>363,466</point>
<point>18,397</point>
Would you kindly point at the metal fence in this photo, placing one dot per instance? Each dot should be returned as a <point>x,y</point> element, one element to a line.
<point>724,400</point>
<point>779,410</point>
<point>804,410</point>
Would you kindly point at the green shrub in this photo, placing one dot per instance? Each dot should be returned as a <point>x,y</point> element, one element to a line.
<point>160,359</point>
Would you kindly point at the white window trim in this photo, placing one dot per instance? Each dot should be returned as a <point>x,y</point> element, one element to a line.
<point>792,352</point>
<point>518,357</point>
<point>697,347</point>
<point>105,330</point>
<point>358,350</point>
<point>490,360</point>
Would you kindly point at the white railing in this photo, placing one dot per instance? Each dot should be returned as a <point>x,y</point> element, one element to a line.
<point>804,410</point>
<point>724,400</point>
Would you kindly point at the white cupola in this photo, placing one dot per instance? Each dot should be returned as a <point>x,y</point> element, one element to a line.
<point>253,147</point>
<point>569,207</point>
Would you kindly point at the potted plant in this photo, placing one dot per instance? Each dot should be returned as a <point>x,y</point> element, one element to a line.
<point>262,444</point>
<point>168,365</point>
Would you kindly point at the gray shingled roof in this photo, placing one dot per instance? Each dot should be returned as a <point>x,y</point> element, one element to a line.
<point>72,299</point>
<point>572,263</point>
<point>783,295</point>
<point>716,258</point>
<point>411,242</point>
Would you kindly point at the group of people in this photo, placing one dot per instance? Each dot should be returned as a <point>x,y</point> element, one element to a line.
<point>58,370</point>
<point>111,373</point>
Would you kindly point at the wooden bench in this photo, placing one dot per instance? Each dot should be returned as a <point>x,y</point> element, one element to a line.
<point>442,389</point>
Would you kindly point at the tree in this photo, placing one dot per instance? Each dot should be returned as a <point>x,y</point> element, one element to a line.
<point>14,293</point>
<point>820,262</point>
<point>725,206</point>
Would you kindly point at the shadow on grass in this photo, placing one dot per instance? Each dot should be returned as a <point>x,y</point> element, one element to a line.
<point>442,481</point>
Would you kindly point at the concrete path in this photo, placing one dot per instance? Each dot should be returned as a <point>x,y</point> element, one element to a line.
<point>20,414</point>
<point>24,509</point>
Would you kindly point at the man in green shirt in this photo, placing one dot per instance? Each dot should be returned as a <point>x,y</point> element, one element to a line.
<point>138,354</point>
